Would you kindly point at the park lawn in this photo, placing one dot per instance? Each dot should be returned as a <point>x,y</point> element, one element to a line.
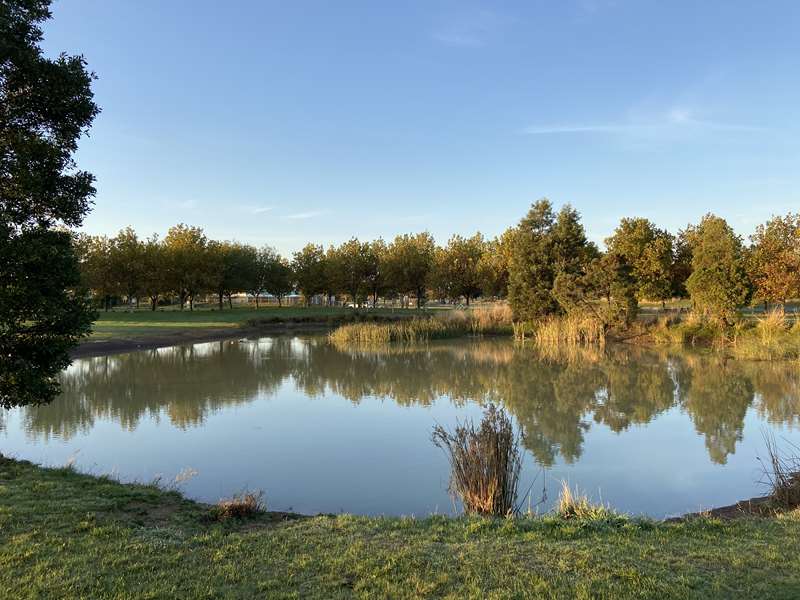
<point>121,323</point>
<point>67,535</point>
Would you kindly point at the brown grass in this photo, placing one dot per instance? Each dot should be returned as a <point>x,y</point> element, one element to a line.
<point>781,474</point>
<point>485,463</point>
<point>240,506</point>
<point>570,330</point>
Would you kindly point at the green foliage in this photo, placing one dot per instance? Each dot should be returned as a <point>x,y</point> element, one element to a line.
<point>649,252</point>
<point>718,284</point>
<point>409,263</point>
<point>309,269</point>
<point>46,105</point>
<point>545,245</point>
<point>189,263</point>
<point>456,271</point>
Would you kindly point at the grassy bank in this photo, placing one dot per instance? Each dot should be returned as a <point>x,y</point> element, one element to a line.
<point>143,322</point>
<point>494,320</point>
<point>66,535</point>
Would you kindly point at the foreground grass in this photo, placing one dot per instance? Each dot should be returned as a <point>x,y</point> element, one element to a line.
<point>66,535</point>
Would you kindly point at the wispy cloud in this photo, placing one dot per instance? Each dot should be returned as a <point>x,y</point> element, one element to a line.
<point>261,209</point>
<point>305,215</point>
<point>470,30</point>
<point>672,123</point>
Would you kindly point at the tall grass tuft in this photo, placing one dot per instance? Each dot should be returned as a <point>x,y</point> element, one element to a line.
<point>485,463</point>
<point>571,330</point>
<point>240,506</point>
<point>781,474</point>
<point>573,504</point>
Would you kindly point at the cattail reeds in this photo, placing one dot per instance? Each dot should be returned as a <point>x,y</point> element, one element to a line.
<point>572,329</point>
<point>485,463</point>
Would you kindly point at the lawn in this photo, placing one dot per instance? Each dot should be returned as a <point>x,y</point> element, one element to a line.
<point>143,322</point>
<point>66,535</point>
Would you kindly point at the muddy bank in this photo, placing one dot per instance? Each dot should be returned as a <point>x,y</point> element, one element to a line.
<point>89,348</point>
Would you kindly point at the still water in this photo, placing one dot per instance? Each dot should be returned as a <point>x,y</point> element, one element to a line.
<point>324,430</point>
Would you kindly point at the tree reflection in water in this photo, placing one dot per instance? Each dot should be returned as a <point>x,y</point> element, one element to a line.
<point>556,397</point>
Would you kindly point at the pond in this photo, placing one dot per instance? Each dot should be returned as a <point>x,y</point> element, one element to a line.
<point>648,431</point>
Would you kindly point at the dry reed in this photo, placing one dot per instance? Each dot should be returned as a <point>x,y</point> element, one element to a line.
<point>781,474</point>
<point>485,463</point>
<point>570,330</point>
<point>240,506</point>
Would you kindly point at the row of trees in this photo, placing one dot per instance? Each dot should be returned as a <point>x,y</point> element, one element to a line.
<point>553,268</point>
<point>544,265</point>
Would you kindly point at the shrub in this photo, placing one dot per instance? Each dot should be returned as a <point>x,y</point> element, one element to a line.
<point>240,506</point>
<point>485,463</point>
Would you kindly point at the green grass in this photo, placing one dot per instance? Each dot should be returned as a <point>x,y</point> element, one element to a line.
<point>66,535</point>
<point>120,323</point>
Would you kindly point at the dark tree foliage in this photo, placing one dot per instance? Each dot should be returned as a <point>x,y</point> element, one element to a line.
<point>46,105</point>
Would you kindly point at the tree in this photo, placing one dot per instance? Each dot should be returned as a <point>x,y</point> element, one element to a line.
<point>409,260</point>
<point>155,276</point>
<point>308,266</point>
<point>127,264</point>
<point>774,259</point>
<point>235,269</point>
<point>718,284</point>
<point>352,269</point>
<point>493,265</point>
<point>278,277</point>
<point>456,268</point>
<point>46,105</point>
<point>97,267</point>
<point>544,246</point>
<point>190,264</point>
<point>649,252</point>
<point>376,283</point>
<point>681,262</point>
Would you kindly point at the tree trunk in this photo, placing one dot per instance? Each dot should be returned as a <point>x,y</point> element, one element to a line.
<point>467,299</point>
<point>256,301</point>
<point>220,299</point>
<point>191,302</point>
<point>153,302</point>
<point>230,301</point>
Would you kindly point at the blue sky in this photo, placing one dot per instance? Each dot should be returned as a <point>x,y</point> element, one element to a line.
<point>287,122</point>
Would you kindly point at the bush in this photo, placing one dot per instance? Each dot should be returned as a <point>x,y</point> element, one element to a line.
<point>485,463</point>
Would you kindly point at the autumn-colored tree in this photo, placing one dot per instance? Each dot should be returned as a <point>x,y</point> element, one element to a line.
<point>774,259</point>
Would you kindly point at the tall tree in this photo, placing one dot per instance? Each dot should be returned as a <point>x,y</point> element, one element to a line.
<point>409,262</point>
<point>95,254</point>
<point>493,265</point>
<point>308,266</point>
<point>649,252</point>
<point>279,278</point>
<point>190,265</point>
<point>155,270</point>
<point>235,269</point>
<point>351,274</point>
<point>127,264</point>
<point>774,259</point>
<point>718,284</point>
<point>457,267</point>
<point>46,105</point>
<point>545,245</point>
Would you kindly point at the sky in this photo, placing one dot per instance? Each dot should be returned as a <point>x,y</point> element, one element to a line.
<point>287,122</point>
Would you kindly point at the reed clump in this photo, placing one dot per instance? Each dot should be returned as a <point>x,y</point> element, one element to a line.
<point>781,474</point>
<point>485,463</point>
<point>447,324</point>
<point>241,506</point>
<point>574,329</point>
<point>771,337</point>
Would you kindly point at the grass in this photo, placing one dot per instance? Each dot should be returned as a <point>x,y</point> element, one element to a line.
<point>441,325</point>
<point>142,322</point>
<point>67,535</point>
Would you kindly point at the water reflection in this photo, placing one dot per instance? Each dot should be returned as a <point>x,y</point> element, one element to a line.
<point>556,398</point>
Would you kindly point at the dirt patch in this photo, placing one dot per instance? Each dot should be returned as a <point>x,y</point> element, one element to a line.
<point>755,507</point>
